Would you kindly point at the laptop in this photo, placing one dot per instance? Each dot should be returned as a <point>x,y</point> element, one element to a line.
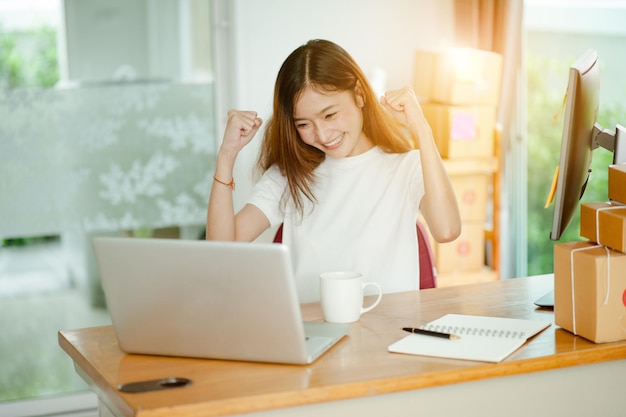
<point>214,300</point>
<point>546,300</point>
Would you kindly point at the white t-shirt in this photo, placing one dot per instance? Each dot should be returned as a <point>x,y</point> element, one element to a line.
<point>364,220</point>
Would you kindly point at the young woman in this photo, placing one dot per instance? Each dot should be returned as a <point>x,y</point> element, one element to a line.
<point>346,174</point>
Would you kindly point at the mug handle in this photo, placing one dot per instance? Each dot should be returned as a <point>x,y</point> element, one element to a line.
<point>375,303</point>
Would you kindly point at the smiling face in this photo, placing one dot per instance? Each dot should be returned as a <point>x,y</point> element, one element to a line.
<point>332,122</point>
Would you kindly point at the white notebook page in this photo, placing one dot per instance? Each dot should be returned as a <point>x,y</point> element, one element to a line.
<point>481,338</point>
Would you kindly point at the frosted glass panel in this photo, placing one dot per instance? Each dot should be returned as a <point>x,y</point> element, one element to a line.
<point>105,158</point>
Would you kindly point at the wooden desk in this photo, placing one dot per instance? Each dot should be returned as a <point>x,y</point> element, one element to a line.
<point>554,371</point>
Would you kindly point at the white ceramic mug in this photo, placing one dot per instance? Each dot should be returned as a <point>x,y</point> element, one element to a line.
<point>342,296</point>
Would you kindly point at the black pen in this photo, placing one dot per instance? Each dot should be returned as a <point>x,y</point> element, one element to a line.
<point>431,333</point>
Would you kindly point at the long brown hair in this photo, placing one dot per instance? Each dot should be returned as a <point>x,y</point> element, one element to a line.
<point>325,66</point>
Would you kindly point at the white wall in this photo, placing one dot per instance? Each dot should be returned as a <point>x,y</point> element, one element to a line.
<point>377,33</point>
<point>138,39</point>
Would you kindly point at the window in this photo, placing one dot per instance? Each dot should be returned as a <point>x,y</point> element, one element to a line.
<point>128,150</point>
<point>556,34</point>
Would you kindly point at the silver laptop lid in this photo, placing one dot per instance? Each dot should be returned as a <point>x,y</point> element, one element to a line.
<point>221,300</point>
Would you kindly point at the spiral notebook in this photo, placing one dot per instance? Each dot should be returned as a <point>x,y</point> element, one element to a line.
<point>481,338</point>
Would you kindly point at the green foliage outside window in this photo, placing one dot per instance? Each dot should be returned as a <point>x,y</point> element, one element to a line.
<point>544,144</point>
<point>28,58</point>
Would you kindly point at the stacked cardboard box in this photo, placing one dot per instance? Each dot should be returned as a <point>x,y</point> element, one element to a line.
<point>459,91</point>
<point>590,276</point>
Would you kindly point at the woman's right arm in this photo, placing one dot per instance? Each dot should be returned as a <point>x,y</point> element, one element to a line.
<point>222,224</point>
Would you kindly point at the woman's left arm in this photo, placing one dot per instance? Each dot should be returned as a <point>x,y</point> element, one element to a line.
<point>438,206</point>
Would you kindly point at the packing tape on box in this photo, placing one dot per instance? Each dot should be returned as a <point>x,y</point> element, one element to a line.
<point>571,260</point>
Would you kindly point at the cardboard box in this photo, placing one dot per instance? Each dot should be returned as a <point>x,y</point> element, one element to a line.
<point>451,279</point>
<point>590,298</point>
<point>465,254</point>
<point>472,193</point>
<point>617,183</point>
<point>604,223</point>
<point>458,76</point>
<point>462,131</point>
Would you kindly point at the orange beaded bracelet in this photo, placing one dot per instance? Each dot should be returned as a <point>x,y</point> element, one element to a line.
<point>230,184</point>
